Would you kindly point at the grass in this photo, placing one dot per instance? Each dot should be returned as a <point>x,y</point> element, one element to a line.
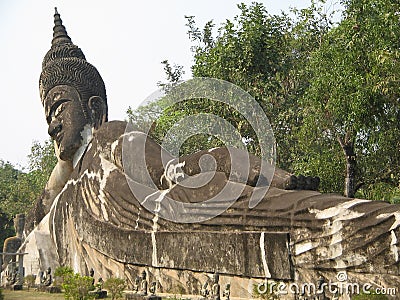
<point>31,295</point>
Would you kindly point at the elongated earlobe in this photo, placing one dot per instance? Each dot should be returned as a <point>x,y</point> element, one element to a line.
<point>98,111</point>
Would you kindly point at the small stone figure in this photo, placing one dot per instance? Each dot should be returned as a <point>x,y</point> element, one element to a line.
<point>136,284</point>
<point>91,274</point>
<point>143,284</point>
<point>153,288</point>
<point>12,244</point>
<point>46,279</point>
<point>215,290</point>
<point>18,278</point>
<point>41,274</point>
<point>11,276</point>
<point>98,291</point>
<point>227,292</point>
<point>204,290</point>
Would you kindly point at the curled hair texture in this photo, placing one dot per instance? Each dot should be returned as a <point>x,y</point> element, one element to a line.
<point>62,51</point>
<point>75,72</point>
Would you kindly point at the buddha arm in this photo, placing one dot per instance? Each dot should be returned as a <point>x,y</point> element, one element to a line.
<point>59,176</point>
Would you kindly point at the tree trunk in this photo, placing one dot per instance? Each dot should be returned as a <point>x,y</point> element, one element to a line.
<point>350,181</point>
<point>351,164</point>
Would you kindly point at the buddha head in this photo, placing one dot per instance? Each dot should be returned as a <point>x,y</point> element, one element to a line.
<point>72,93</point>
<point>19,223</point>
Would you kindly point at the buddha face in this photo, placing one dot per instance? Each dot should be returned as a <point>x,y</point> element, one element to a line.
<point>66,120</point>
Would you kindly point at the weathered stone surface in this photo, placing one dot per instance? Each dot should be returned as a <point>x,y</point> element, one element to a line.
<point>245,253</point>
<point>95,221</point>
<point>319,226</point>
<point>131,296</point>
<point>12,244</point>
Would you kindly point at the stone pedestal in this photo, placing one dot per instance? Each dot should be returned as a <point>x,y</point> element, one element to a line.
<point>134,296</point>
<point>17,287</point>
<point>13,287</point>
<point>99,294</point>
<point>53,289</point>
<point>49,289</point>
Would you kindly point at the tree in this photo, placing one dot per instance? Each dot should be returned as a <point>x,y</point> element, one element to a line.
<point>352,103</point>
<point>42,161</point>
<point>115,286</point>
<point>249,51</point>
<point>236,55</point>
<point>8,177</point>
<point>330,90</point>
<point>20,189</point>
<point>61,275</point>
<point>266,56</point>
<point>77,287</point>
<point>6,228</point>
<point>29,281</point>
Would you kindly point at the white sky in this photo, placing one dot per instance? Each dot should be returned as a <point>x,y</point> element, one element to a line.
<point>124,40</point>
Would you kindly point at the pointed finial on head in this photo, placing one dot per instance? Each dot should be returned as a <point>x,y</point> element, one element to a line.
<point>60,35</point>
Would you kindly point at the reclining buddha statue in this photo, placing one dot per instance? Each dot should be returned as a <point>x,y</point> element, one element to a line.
<point>92,214</point>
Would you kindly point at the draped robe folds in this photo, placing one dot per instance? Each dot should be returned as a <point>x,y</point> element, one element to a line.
<point>96,222</point>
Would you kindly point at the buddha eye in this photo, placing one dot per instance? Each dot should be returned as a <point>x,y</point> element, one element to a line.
<point>59,109</point>
<point>56,109</point>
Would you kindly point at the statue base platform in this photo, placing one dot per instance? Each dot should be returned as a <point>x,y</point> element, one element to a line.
<point>99,294</point>
<point>53,289</point>
<point>13,287</point>
<point>17,287</point>
<point>134,296</point>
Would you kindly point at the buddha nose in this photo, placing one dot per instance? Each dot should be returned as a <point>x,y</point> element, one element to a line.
<point>54,128</point>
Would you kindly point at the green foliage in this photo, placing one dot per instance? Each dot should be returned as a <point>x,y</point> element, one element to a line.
<point>77,287</point>
<point>29,281</point>
<point>7,228</point>
<point>19,190</point>
<point>1,294</point>
<point>174,75</point>
<point>115,286</point>
<point>351,104</point>
<point>322,158</point>
<point>263,54</point>
<point>61,274</point>
<point>329,90</point>
<point>251,52</point>
<point>42,161</point>
<point>8,178</point>
<point>380,191</point>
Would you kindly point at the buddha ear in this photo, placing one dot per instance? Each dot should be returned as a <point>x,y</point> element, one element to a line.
<point>98,110</point>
